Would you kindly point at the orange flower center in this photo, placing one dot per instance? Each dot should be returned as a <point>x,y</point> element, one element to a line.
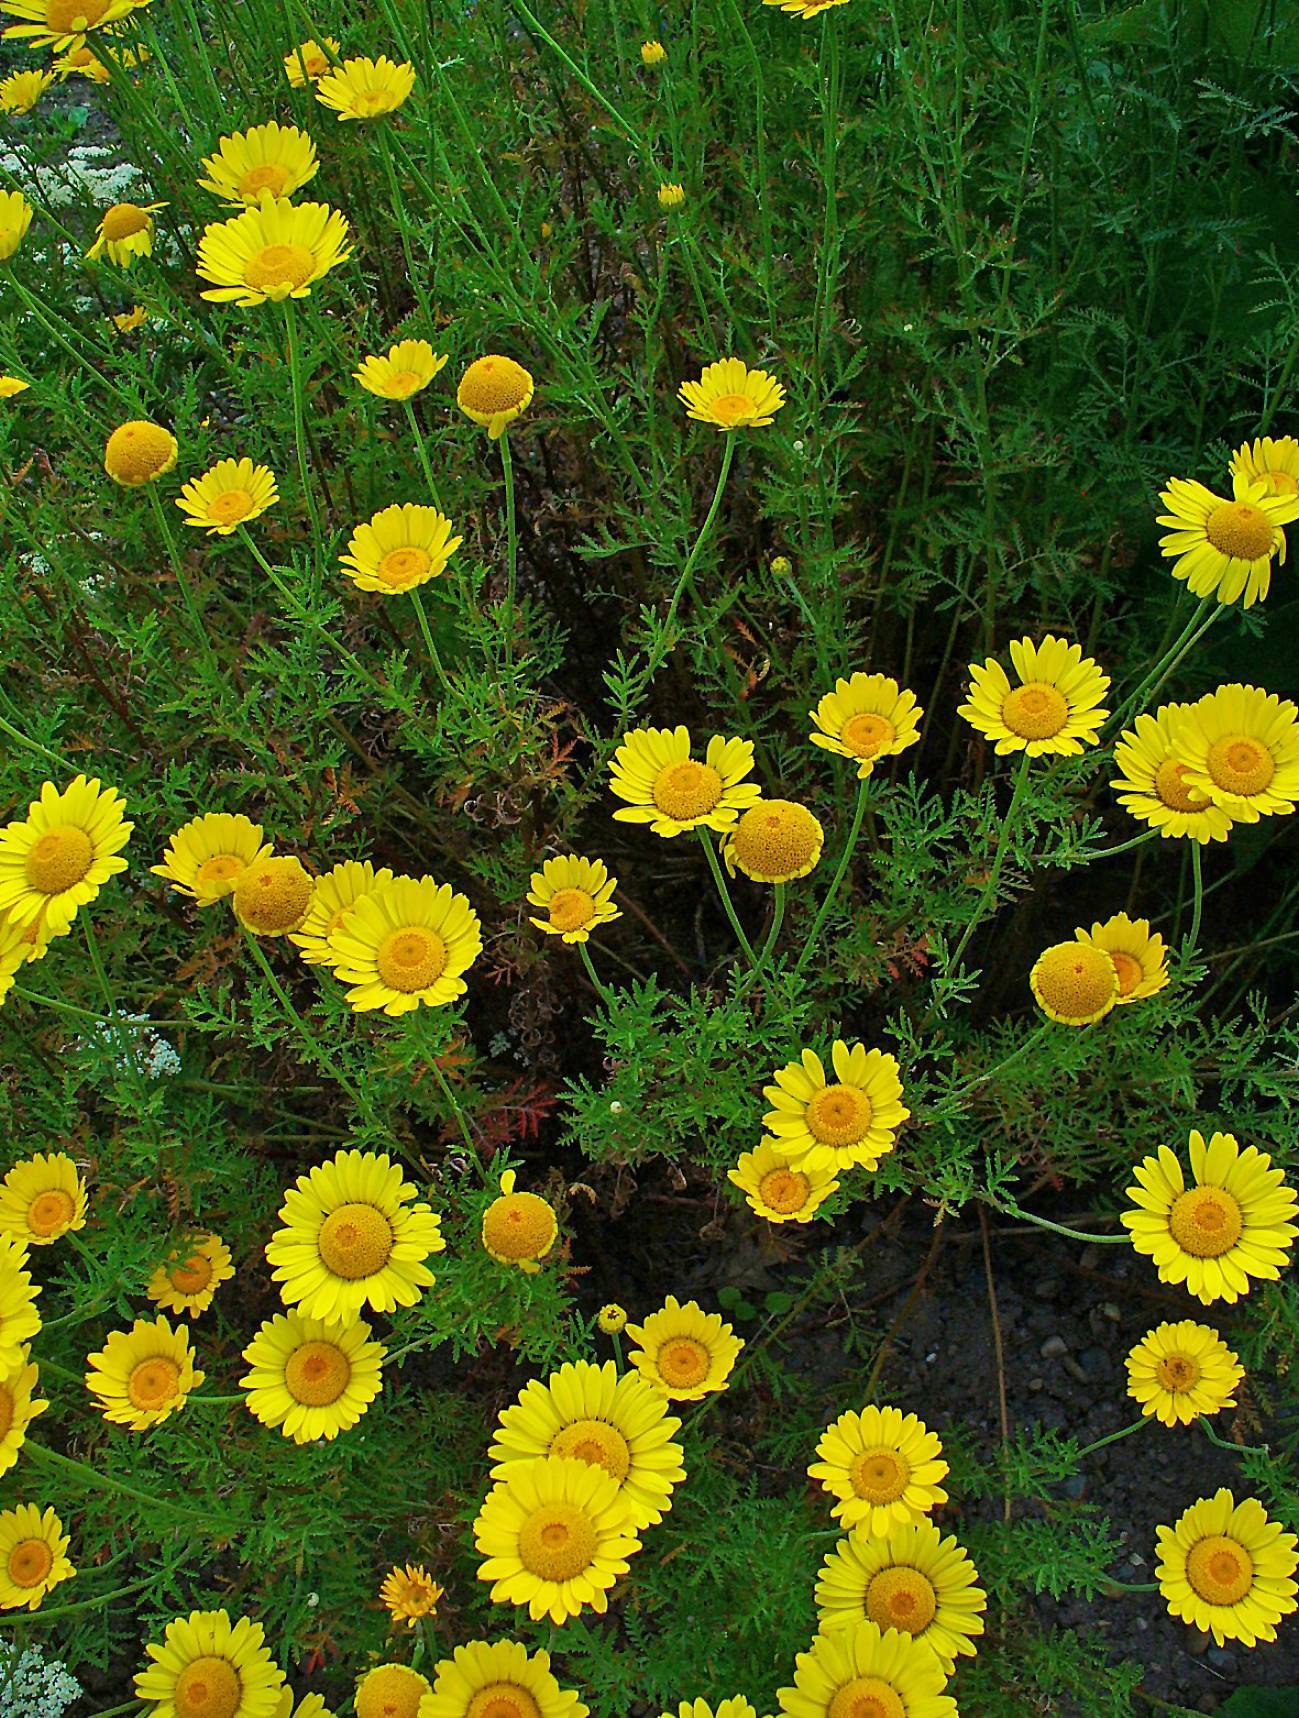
<point>683,1362</point>
<point>880,1475</point>
<point>840,1115</point>
<point>403,383</point>
<point>867,1697</point>
<point>1178,1373</point>
<point>220,868</point>
<point>494,384</point>
<point>1076,982</point>
<point>50,1212</point>
<point>776,839</point>
<point>30,1562</point>
<point>1128,968</point>
<point>1241,531</point>
<point>58,859</point>
<point>192,1276</point>
<point>273,895</point>
<point>784,1190</point>
<point>1241,764</point>
<point>317,1373</point>
<point>733,408</point>
<point>867,734</point>
<point>557,1542</point>
<point>230,506</point>
<point>355,1241</point>
<point>69,17</point>
<point>390,1691</point>
<point>570,908</point>
<point>1171,788</point>
<point>519,1226</point>
<point>1206,1221</point>
<point>267,176</point>
<point>1220,1570</point>
<point>124,220</point>
<point>596,1443</point>
<point>687,790</point>
<point>503,1700</point>
<point>207,1688</point>
<point>402,567</point>
<point>411,959</point>
<point>279,265</point>
<point>153,1384</point>
<point>1280,483</point>
<point>901,1599</point>
<point>1035,711</point>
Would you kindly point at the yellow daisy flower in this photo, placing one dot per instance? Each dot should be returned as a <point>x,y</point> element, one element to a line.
<point>672,197</point>
<point>389,1691</point>
<point>836,1124</point>
<point>502,1677</point>
<point>275,158</point>
<point>406,945</point>
<point>310,60</point>
<point>272,895</point>
<point>652,53</point>
<point>187,1280</point>
<point>1270,460</point>
<point>61,854</point>
<point>1179,1371</point>
<point>129,320</point>
<point>19,1406</point>
<point>730,396</point>
<point>683,1351</point>
<point>1234,1221</point>
<point>1139,955</point>
<point>139,452</point>
<point>275,251</point>
<point>590,1413</point>
<point>15,218</point>
<point>410,1593</point>
<point>1153,784</point>
<point>1075,983</point>
<point>882,1466</point>
<point>734,1706</point>
<point>124,232</point>
<point>42,1198</point>
<point>18,945</point>
<point>1240,748</point>
<point>1055,709</point>
<point>1226,1569</point>
<point>493,392</point>
<point>20,91</point>
<point>865,1670</point>
<point>332,899</point>
<point>908,1578</point>
<point>353,1235</point>
<point>10,386</point>
<point>229,495</point>
<point>611,1318</point>
<point>400,371</point>
<point>576,895</point>
<point>206,857</point>
<point>665,787</point>
<point>311,1378</point>
<point>776,1190</point>
<point>208,1666</point>
<point>142,1376</point>
<point>1225,548</point>
<point>19,1319</point>
<point>33,1556</point>
<point>310,1706</point>
<point>519,1228</point>
<point>400,547</point>
<point>61,25</point>
<point>866,718</point>
<point>774,841</point>
<point>364,88</point>
<point>81,63</point>
<point>554,1536</point>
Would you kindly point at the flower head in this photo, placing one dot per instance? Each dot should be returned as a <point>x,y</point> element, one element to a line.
<point>664,786</point>
<point>15,218</point>
<point>11,386</point>
<point>272,895</point>
<point>33,1556</point>
<point>389,1691</point>
<point>364,88</point>
<point>275,251</point>
<point>20,91</point>
<point>1075,983</point>
<point>866,718</point>
<point>127,321</point>
<point>575,895</point>
<point>271,158</point>
<point>19,1406</point>
<point>671,196</point>
<point>142,1376</point>
<point>399,548</point>
<point>907,1578</point>
<point>139,452</point>
<point>1225,548</point>
<point>400,371</point>
<point>233,492</point>
<point>310,61</point>
<point>776,1190</point>
<point>1270,460</point>
<point>1225,1568</point>
<point>774,841</point>
<point>19,1319</point>
<point>1139,955</point>
<point>61,25</point>
<point>502,1675</point>
<point>406,946</point>
<point>58,858</point>
<point>332,899</point>
<point>652,53</point>
<point>1239,747</point>
<point>863,1669</point>
<point>493,392</point>
<point>410,1593</point>
<point>124,232</point>
<point>819,1123</point>
<point>1054,710</point>
<point>519,1228</point>
<point>208,1667</point>
<point>683,1351</point>
<point>206,857</point>
<point>730,396</point>
<point>1179,1371</point>
<point>81,63</point>
<point>188,1278</point>
<point>42,1198</point>
<point>1153,783</point>
<point>611,1318</point>
<point>311,1378</point>
<point>883,1467</point>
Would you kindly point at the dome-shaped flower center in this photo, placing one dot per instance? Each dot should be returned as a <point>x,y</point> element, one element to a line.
<point>866,734</point>
<point>1220,1570</point>
<point>403,383</point>
<point>1280,483</point>
<point>220,869</point>
<point>687,789</point>
<point>597,1443</point>
<point>776,839</point>
<point>880,1475</point>
<point>1241,531</point>
<point>494,384</point>
<point>124,220</point>
<point>410,959</point>
<point>207,1688</point>
<point>230,506</point>
<point>153,1383</point>
<point>1076,981</point>
<point>71,16</point>
<point>191,1276</point>
<point>317,1373</point>
<point>372,101</point>
<point>557,1542</point>
<point>683,1362</point>
<point>1205,1221</point>
<point>273,895</point>
<point>390,1691</point>
<point>317,64</point>
<point>50,1212</point>
<point>1128,968</point>
<point>1036,711</point>
<point>30,1562</point>
<point>503,1700</point>
<point>867,1697</point>
<point>1241,764</point>
<point>901,1599</point>
<point>839,1115</point>
<point>6,1410</point>
<point>139,451</point>
<point>1178,1373</point>
<point>403,566</point>
<point>733,408</point>
<point>1172,789</point>
<point>570,908</point>
<point>784,1190</point>
<point>58,859</point>
<point>355,1241</point>
<point>279,266</point>
<point>266,176</point>
<point>519,1226</point>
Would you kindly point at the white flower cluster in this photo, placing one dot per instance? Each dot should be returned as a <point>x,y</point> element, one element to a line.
<point>150,1052</point>
<point>32,1687</point>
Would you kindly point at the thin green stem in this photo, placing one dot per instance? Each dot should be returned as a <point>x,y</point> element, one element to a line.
<point>714,865</point>
<point>683,583</point>
<point>49,1612</point>
<point>1123,846</point>
<point>601,988</point>
<point>177,567</point>
<point>1113,1438</point>
<point>1190,636</point>
<point>1197,876</point>
<point>769,943</point>
<point>453,1104</point>
<point>315,1048</point>
<point>1029,1043</point>
<point>998,860</point>
<point>299,425</point>
<point>430,647</point>
<point>823,912</point>
<point>1010,1209</point>
<point>422,451</point>
<point>628,131</point>
<point>1226,1443</point>
<point>511,544</point>
<point>34,745</point>
<point>103,1482</point>
<point>403,225</point>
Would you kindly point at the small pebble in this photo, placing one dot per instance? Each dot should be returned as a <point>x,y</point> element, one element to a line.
<point>1036,1384</point>
<point>1096,1363</point>
<point>1197,1643</point>
<point>1091,1258</point>
<point>1111,1312</point>
<point>1053,1348</point>
<point>1075,1487</point>
<point>1046,1288</point>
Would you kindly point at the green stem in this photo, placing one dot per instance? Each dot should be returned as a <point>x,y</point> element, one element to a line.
<point>1190,636</point>
<point>35,746</point>
<point>628,131</point>
<point>511,544</point>
<point>823,912</point>
<point>177,567</point>
<point>1010,1209</point>
<point>601,989</point>
<point>714,865</point>
<point>1029,1043</point>
<point>1226,1443</point>
<point>777,919</point>
<point>48,1612</point>
<point>1123,846</point>
<point>403,225</point>
<point>431,649</point>
<point>683,583</point>
<point>422,451</point>
<point>1113,1438</point>
<point>299,426</point>
<point>998,860</point>
<point>1197,875</point>
<point>92,1476</point>
<point>315,1049</point>
<point>453,1104</point>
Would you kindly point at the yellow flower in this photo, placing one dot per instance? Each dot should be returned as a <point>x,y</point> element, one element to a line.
<point>19,1319</point>
<point>206,857</point>
<point>187,1280</point>
<point>1152,784</point>
<point>273,158</point>
<point>400,371</point>
<point>410,1593</point>
<point>1179,1371</point>
<point>311,1378</point>
<point>272,895</point>
<point>1138,953</point>
<point>15,218</point>
<point>129,320</point>
<point>389,1691</point>
<point>20,91</point>
<point>18,945</point>
<point>1226,1569</point>
<point>81,63</point>
<point>519,1228</point>
<point>777,1191</point>
<point>1225,548</point>
<point>1075,983</point>
<point>364,88</point>
<point>1274,462</point>
<point>774,841</point>
<point>228,496</point>
<point>501,1677</point>
<point>683,1351</point>
<point>142,1376</point>
<point>352,1235</point>
<point>611,1318</point>
<point>836,1124</point>
<point>11,385</point>
<point>555,1537</point>
<point>805,9</point>
<point>406,945</point>
<point>139,452</point>
<point>1233,1222</point>
<point>310,1706</point>
<point>866,718</point>
<point>493,392</point>
<point>42,1198</point>
<point>33,1556</point>
<point>62,24</point>
<point>125,232</point>
<point>59,857</point>
<point>19,1406</point>
<point>1240,748</point>
<point>309,61</point>
<point>671,791</point>
<point>730,396</point>
<point>209,1667</point>
<point>907,1578</point>
<point>275,251</point>
<point>652,53</point>
<point>332,899</point>
<point>883,1467</point>
<point>399,548</point>
<point>671,196</point>
<point>1055,708</point>
<point>576,894</point>
<point>863,1670</point>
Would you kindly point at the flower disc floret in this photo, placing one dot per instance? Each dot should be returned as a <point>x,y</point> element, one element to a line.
<point>272,895</point>
<point>493,391</point>
<point>519,1228</point>
<point>774,841</point>
<point>139,452</point>
<point>1075,983</point>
